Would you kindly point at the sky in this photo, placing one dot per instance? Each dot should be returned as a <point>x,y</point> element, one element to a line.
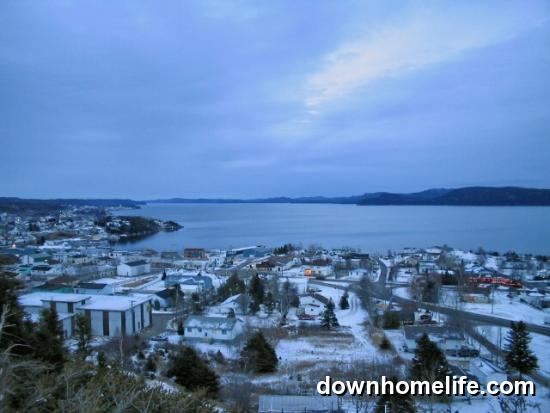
<point>146,100</point>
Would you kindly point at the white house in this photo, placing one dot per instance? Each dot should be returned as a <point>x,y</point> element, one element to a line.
<point>358,273</point>
<point>299,283</point>
<point>310,305</point>
<point>446,338</point>
<point>215,328</point>
<point>133,268</point>
<point>238,303</point>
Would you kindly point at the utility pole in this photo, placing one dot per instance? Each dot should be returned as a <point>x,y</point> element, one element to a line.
<point>492,298</point>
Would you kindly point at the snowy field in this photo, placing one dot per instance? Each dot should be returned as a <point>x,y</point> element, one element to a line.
<point>504,307</point>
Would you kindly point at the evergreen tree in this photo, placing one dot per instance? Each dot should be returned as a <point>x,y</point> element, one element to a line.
<point>329,319</point>
<point>101,360</point>
<point>83,334</point>
<point>192,372</point>
<point>385,344</point>
<point>254,307</point>
<point>180,329</point>
<point>16,331</point>
<point>196,306</point>
<point>48,338</point>
<point>395,403</point>
<point>258,355</point>
<point>257,290</point>
<point>234,285</point>
<point>429,362</point>
<point>344,303</point>
<point>519,357</point>
<point>269,302</point>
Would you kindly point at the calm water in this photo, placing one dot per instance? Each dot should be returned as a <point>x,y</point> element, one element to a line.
<point>371,228</point>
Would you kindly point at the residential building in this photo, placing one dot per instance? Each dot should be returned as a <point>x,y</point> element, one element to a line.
<point>133,268</point>
<point>212,328</point>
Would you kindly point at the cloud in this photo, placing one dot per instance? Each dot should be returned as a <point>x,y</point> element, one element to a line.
<point>420,38</point>
<point>248,163</point>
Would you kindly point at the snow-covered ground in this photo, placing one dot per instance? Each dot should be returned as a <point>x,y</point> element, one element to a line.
<point>324,349</point>
<point>503,307</point>
<point>402,292</point>
<point>540,344</point>
<point>404,275</point>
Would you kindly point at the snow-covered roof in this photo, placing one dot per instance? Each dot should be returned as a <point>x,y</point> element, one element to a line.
<point>35,299</point>
<point>232,299</point>
<point>210,322</point>
<point>115,302</point>
<point>135,263</point>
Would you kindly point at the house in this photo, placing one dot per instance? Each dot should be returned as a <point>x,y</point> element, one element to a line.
<point>298,284</point>
<point>276,264</point>
<point>312,305</point>
<point>194,253</point>
<point>170,256</point>
<point>35,258</point>
<point>447,338</point>
<point>318,268</point>
<point>94,288</point>
<point>212,328</point>
<point>533,297</point>
<point>299,404</point>
<point>358,274</point>
<point>425,266</point>
<point>164,297</point>
<point>238,303</point>
<point>188,282</point>
<point>133,268</point>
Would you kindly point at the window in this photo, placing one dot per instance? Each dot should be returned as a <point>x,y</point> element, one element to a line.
<point>189,329</point>
<point>224,331</point>
<point>200,329</point>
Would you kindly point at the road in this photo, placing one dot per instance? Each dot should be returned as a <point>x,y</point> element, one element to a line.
<point>379,290</point>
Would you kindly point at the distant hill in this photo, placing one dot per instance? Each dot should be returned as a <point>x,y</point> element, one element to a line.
<point>15,205</point>
<point>275,200</point>
<point>468,196</point>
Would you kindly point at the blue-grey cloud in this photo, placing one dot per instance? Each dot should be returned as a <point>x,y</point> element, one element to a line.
<point>245,98</point>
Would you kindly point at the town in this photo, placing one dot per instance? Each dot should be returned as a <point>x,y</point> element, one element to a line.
<point>255,328</point>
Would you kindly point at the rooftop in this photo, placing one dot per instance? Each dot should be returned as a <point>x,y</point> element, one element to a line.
<point>210,322</point>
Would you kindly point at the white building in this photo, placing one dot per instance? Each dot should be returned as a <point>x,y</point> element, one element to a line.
<point>113,315</point>
<point>215,328</point>
<point>65,305</point>
<point>298,284</point>
<point>108,315</point>
<point>133,268</point>
<point>312,306</point>
<point>446,338</point>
